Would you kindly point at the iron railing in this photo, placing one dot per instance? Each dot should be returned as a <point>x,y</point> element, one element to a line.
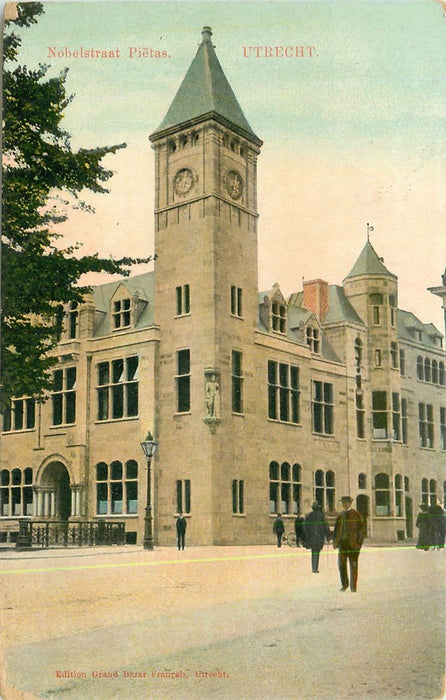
<point>61,533</point>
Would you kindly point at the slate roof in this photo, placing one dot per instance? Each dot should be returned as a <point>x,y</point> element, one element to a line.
<point>340,308</point>
<point>205,91</point>
<point>369,263</point>
<point>407,323</point>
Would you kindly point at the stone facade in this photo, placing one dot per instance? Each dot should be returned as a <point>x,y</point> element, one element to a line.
<point>259,404</point>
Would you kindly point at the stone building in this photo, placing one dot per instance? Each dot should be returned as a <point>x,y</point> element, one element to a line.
<point>259,403</point>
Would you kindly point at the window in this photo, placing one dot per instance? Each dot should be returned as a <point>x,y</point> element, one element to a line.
<point>441,374</point>
<point>402,363</point>
<point>382,495</point>
<point>72,319</point>
<point>425,491</point>
<point>404,421</point>
<point>392,304</point>
<point>238,495</point>
<point>183,300</point>
<point>278,317</point>
<point>322,408</point>
<point>16,492</point>
<point>377,358</point>
<point>420,368</point>
<point>284,488</point>
<point>237,382</point>
<point>362,481</point>
<point>236,301</point>
<point>394,355</point>
<point>20,415</point>
<point>396,417</point>
<point>398,495</point>
<point>64,396</point>
<point>121,313</point>
<point>283,392</point>
<point>183,381</point>
<point>117,488</point>
<point>376,301</point>
<point>426,424</point>
<point>313,339</point>
<point>324,489</point>
<point>443,427</point>
<point>117,389</point>
<point>379,414</point>
<point>183,496</point>
<point>360,415</point>
<point>358,352</point>
<point>427,370</point>
<point>434,372</point>
<point>432,491</point>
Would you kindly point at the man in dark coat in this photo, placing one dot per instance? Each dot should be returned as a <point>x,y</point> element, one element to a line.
<point>423,523</point>
<point>279,529</point>
<point>299,530</point>
<point>437,525</point>
<point>316,532</point>
<point>349,534</point>
<point>181,530</point>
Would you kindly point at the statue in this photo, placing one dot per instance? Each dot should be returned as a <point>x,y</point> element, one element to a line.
<point>212,392</point>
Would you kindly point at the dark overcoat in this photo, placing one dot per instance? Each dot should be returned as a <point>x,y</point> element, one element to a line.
<point>316,530</point>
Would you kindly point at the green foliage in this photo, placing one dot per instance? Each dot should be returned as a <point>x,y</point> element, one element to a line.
<point>41,174</point>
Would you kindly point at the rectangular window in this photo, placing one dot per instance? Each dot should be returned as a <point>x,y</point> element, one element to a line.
<point>236,301</point>
<point>396,417</point>
<point>117,389</point>
<point>121,313</point>
<point>183,300</point>
<point>379,414</point>
<point>426,424</point>
<point>394,355</point>
<point>402,363</point>
<point>443,428</point>
<point>377,358</point>
<point>376,315</point>
<point>283,392</point>
<point>237,382</point>
<point>183,496</point>
<point>20,414</point>
<point>360,415</point>
<point>238,496</point>
<point>64,396</point>
<point>183,381</point>
<point>404,420</point>
<point>322,408</point>
<point>278,317</point>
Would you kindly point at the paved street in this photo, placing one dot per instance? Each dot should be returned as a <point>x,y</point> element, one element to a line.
<point>222,622</point>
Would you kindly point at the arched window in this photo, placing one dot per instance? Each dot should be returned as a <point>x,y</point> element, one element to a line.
<point>420,367</point>
<point>16,477</point>
<point>432,491</point>
<point>284,488</point>
<point>382,495</point>
<point>324,489</point>
<point>362,481</point>
<point>427,370</point>
<point>434,372</point>
<point>425,491</point>
<point>441,373</point>
<point>406,484</point>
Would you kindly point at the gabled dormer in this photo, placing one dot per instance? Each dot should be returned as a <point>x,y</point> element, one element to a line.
<point>273,311</point>
<point>126,307</point>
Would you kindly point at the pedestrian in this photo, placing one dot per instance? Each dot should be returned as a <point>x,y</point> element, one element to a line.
<point>316,532</point>
<point>299,530</point>
<point>279,529</point>
<point>181,530</point>
<point>349,534</point>
<point>437,525</point>
<point>423,523</point>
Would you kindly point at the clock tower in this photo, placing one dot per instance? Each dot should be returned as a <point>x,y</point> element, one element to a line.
<point>205,299</point>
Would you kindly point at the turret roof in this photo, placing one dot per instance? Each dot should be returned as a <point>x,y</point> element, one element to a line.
<point>205,91</point>
<point>369,263</point>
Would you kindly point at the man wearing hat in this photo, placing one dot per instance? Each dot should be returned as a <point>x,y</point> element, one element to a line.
<point>316,532</point>
<point>349,534</point>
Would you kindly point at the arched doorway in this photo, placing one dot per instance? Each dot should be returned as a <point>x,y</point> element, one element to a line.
<point>54,492</point>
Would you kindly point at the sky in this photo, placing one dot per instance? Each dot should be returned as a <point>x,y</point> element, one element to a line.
<point>353,130</point>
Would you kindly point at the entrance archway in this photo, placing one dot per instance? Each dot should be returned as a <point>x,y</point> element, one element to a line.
<point>54,492</point>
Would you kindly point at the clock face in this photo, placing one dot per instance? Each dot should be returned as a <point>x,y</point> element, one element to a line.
<point>234,184</point>
<point>183,181</point>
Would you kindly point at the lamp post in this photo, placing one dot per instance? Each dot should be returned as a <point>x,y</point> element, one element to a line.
<point>148,447</point>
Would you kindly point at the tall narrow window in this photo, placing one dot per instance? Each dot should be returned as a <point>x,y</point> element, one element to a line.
<point>420,368</point>
<point>238,496</point>
<point>183,381</point>
<point>427,370</point>
<point>360,415</point>
<point>236,301</point>
<point>64,396</point>
<point>434,372</point>
<point>425,491</point>
<point>323,407</point>
<point>183,496</point>
<point>117,389</point>
<point>73,318</point>
<point>121,313</point>
<point>443,427</point>
<point>377,358</point>
<point>183,300</point>
<point>402,363</point>
<point>382,495</point>
<point>404,421</point>
<point>392,304</point>
<point>426,424</point>
<point>376,301</point>
<point>394,355</point>
<point>396,417</point>
<point>237,382</point>
<point>379,414</point>
<point>398,495</point>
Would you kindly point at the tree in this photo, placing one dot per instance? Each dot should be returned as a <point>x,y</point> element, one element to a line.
<point>41,175</point>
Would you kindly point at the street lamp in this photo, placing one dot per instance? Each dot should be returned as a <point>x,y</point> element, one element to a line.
<point>148,447</point>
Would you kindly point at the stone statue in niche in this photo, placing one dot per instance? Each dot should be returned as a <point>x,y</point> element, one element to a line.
<point>212,396</point>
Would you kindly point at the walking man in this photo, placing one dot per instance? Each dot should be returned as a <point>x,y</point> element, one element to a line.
<point>279,529</point>
<point>349,534</point>
<point>316,532</point>
<point>181,530</point>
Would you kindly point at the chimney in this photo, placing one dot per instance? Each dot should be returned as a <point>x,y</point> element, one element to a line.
<point>316,297</point>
